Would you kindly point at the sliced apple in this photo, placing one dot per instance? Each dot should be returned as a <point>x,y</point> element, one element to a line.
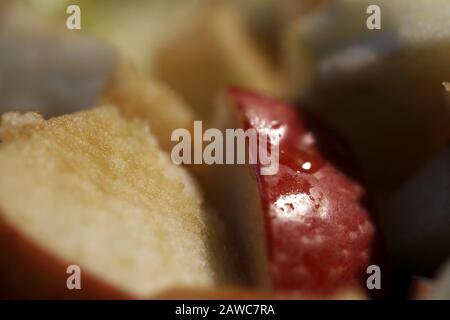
<point>94,189</point>
<point>214,50</point>
<point>47,69</point>
<point>38,74</point>
<point>303,229</point>
<point>147,99</point>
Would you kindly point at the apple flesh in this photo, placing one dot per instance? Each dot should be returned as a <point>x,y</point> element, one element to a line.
<point>94,189</point>
<point>94,73</point>
<point>28,271</point>
<point>39,74</point>
<point>137,97</point>
<point>214,50</point>
<point>303,229</point>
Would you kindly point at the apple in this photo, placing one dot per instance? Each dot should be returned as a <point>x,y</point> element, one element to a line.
<point>213,50</point>
<point>95,190</point>
<point>29,272</point>
<point>303,229</point>
<point>267,19</point>
<point>46,70</point>
<point>380,88</point>
<point>94,73</point>
<point>139,97</point>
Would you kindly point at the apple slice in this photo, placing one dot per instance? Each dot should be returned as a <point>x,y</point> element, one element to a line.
<point>136,96</point>
<point>47,69</point>
<point>94,189</point>
<point>53,82</point>
<point>214,50</point>
<point>302,229</point>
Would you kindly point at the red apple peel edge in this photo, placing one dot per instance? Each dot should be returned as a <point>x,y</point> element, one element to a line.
<point>319,236</point>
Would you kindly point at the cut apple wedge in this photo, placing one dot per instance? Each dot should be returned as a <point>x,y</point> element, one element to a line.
<point>213,51</point>
<point>94,189</point>
<point>53,82</point>
<point>302,229</point>
<point>136,96</point>
<point>47,69</point>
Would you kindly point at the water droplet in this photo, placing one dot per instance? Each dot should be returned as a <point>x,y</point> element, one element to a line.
<point>307,165</point>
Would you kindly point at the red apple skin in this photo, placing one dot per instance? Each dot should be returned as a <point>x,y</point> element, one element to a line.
<point>319,235</point>
<point>29,272</point>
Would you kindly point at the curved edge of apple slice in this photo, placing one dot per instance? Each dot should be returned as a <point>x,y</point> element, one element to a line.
<point>319,237</point>
<point>28,271</point>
